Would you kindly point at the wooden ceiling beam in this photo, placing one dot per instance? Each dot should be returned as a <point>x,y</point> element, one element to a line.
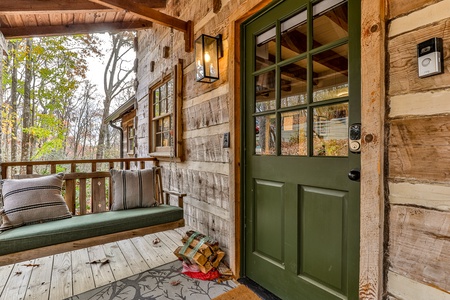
<point>63,6</point>
<point>143,11</point>
<point>31,31</point>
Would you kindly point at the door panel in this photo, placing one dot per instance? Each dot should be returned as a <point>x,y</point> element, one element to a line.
<point>301,92</point>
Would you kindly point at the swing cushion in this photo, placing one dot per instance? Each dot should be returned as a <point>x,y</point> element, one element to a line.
<point>33,200</point>
<point>132,189</point>
<point>86,226</point>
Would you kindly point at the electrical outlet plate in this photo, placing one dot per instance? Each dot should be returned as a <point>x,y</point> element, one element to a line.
<point>226,140</point>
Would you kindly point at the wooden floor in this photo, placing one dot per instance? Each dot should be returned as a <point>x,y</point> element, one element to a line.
<point>70,273</point>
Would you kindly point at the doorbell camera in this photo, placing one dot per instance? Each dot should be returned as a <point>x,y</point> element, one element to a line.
<point>354,138</point>
<point>430,56</point>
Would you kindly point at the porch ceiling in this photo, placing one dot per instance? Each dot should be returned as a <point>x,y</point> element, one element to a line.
<point>28,18</point>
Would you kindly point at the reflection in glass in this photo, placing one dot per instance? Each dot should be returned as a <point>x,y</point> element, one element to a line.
<point>293,37</point>
<point>265,132</point>
<point>293,84</point>
<point>265,49</point>
<point>265,91</point>
<point>294,133</point>
<point>330,130</point>
<point>329,24</point>
<point>330,74</point>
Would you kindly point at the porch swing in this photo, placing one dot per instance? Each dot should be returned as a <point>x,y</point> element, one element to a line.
<point>49,238</point>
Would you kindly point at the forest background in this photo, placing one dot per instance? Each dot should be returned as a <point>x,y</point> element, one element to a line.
<point>54,106</point>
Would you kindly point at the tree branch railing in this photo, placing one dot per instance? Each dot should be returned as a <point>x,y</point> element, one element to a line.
<point>77,188</point>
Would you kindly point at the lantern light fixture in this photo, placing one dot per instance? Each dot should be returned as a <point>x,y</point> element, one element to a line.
<point>208,50</point>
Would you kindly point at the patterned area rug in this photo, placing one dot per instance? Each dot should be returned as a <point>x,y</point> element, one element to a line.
<point>158,283</point>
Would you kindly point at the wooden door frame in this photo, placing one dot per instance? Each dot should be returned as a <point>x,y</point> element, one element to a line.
<point>372,209</point>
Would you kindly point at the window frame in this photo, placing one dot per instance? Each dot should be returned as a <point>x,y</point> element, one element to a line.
<point>176,115</point>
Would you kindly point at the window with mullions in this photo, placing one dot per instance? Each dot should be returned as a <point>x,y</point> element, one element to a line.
<point>165,115</point>
<point>301,83</point>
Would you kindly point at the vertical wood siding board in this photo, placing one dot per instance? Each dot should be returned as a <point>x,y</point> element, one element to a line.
<point>372,117</point>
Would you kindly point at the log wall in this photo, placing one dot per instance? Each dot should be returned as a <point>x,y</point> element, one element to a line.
<point>204,175</point>
<point>418,147</point>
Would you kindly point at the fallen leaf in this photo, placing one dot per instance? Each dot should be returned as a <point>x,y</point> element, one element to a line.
<point>156,241</point>
<point>99,261</point>
<point>175,282</point>
<point>31,265</point>
<point>18,273</point>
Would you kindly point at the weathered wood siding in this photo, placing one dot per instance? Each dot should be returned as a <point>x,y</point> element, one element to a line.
<point>418,151</point>
<point>205,173</point>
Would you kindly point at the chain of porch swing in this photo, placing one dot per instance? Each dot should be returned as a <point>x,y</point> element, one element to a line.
<point>173,161</point>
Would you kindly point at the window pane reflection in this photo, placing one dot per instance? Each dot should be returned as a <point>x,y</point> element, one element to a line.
<point>293,84</point>
<point>330,74</point>
<point>330,130</point>
<point>265,133</point>
<point>294,133</point>
<point>294,36</point>
<point>329,24</point>
<point>265,49</point>
<point>265,91</point>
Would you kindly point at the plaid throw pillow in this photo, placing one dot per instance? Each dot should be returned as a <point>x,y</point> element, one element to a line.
<point>132,189</point>
<point>33,200</point>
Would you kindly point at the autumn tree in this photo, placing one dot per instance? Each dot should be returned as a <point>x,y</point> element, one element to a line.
<point>117,80</point>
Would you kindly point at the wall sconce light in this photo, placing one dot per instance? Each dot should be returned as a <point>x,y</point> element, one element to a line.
<point>208,50</point>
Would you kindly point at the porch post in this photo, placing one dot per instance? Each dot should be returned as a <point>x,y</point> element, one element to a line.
<point>371,281</point>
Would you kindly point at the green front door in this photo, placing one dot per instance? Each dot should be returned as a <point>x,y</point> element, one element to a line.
<point>301,91</point>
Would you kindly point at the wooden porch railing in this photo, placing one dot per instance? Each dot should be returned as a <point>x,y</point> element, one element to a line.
<point>75,181</point>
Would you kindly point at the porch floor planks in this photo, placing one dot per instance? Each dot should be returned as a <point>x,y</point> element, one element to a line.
<point>61,282</point>
<point>117,261</point>
<point>82,277</point>
<point>39,285</point>
<point>66,274</point>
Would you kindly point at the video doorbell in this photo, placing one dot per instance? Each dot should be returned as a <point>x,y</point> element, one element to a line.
<point>430,57</point>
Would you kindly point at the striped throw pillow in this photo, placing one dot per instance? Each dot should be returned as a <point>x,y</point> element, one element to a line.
<point>33,200</point>
<point>132,189</point>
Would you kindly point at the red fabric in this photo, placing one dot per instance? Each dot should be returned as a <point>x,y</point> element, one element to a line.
<point>211,275</point>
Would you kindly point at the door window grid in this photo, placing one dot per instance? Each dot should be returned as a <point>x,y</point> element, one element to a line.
<point>328,83</point>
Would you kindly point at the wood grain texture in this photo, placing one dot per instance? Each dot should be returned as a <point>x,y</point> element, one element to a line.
<point>39,285</point>
<point>426,195</point>
<point>420,104</point>
<point>419,148</point>
<point>420,18</point>
<point>403,73</point>
<point>419,245</point>
<point>401,287</point>
<point>372,152</point>
<point>400,7</point>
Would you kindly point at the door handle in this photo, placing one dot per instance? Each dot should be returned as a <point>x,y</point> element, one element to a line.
<point>354,175</point>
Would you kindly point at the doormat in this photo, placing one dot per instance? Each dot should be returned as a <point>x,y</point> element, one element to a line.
<point>163,282</point>
<point>241,292</point>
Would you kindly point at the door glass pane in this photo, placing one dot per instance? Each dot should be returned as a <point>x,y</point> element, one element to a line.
<point>293,36</point>
<point>330,130</point>
<point>294,133</point>
<point>330,22</point>
<point>293,84</point>
<point>265,49</point>
<point>330,74</point>
<point>265,132</point>
<point>265,91</point>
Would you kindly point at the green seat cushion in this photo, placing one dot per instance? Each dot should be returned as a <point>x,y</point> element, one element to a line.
<point>81,227</point>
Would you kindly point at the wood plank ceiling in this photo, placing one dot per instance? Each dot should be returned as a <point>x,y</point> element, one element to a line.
<point>28,18</point>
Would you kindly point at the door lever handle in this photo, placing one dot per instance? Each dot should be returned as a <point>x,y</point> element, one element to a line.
<point>354,175</point>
